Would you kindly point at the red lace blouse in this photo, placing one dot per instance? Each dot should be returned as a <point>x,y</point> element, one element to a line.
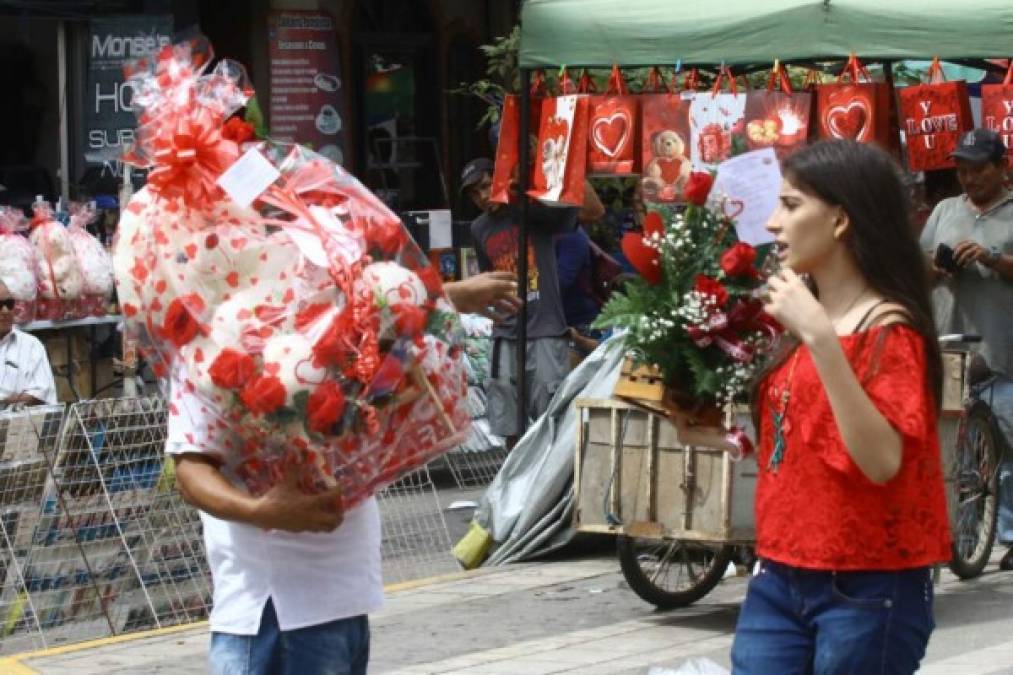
<point>818,510</point>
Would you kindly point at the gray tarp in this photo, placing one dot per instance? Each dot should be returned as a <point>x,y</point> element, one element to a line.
<point>528,508</point>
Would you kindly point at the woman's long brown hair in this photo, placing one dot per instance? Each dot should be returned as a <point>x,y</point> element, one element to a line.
<point>865,182</point>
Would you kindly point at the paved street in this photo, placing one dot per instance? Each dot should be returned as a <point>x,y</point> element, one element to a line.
<point>571,615</point>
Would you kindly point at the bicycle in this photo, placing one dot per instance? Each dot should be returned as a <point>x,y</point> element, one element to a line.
<point>978,449</point>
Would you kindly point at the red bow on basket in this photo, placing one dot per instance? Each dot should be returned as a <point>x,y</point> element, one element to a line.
<point>189,160</point>
<point>726,329</point>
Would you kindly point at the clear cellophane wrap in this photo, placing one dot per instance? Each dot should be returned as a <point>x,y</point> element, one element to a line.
<point>304,333</point>
<point>93,258</point>
<point>17,263</point>
<point>56,265</point>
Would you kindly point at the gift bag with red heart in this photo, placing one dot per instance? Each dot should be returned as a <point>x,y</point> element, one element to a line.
<point>933,117</point>
<point>859,109</point>
<point>777,116</point>
<point>664,140</point>
<point>561,157</point>
<point>717,123</point>
<point>611,130</point>
<point>505,172</point>
<point>997,110</point>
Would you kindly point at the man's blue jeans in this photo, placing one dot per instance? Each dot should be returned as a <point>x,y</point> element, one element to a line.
<point>1001,399</point>
<point>797,622</point>
<point>336,648</point>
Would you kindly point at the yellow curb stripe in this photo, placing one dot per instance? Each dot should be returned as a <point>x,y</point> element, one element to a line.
<point>12,665</point>
<point>92,644</point>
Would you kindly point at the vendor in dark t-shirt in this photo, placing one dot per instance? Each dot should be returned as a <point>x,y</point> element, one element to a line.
<point>496,234</point>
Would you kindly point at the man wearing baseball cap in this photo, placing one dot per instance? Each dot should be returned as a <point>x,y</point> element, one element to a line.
<point>969,241</point>
<point>496,233</point>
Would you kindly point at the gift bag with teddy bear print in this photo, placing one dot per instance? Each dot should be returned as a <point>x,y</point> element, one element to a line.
<point>664,146</point>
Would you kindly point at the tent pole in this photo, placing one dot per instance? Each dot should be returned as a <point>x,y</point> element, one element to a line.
<point>522,258</point>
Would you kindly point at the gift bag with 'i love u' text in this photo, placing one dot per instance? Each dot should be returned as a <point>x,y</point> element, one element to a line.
<point>506,172</point>
<point>611,130</point>
<point>561,158</point>
<point>933,116</point>
<point>997,110</point>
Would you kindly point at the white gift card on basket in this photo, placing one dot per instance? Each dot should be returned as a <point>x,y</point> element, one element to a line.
<point>248,177</point>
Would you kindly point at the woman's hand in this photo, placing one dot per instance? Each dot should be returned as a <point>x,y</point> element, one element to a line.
<point>691,433</point>
<point>791,302</point>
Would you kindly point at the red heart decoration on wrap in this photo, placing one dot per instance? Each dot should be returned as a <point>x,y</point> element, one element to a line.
<point>611,134</point>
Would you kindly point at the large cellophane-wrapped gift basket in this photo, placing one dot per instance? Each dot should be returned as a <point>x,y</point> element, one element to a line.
<point>304,332</point>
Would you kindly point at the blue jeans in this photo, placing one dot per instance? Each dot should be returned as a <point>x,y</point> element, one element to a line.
<point>1001,399</point>
<point>336,648</point>
<point>797,622</point>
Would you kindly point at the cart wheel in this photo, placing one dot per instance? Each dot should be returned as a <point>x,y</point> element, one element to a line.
<point>670,573</point>
<point>976,513</point>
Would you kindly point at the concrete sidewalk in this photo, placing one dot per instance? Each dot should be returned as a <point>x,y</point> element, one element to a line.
<point>569,616</point>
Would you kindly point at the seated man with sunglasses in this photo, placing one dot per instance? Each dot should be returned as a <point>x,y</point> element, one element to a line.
<point>25,375</point>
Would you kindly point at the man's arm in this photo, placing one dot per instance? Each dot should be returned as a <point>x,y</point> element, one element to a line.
<point>491,294</point>
<point>39,386</point>
<point>592,210</point>
<point>967,252</point>
<point>284,507</point>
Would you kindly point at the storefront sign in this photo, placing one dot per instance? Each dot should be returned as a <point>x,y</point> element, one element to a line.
<point>109,120</point>
<point>307,94</point>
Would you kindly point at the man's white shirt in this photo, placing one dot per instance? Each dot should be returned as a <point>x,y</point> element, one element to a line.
<point>24,368</point>
<point>311,578</point>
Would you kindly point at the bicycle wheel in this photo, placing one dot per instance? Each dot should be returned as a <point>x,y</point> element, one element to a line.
<point>670,573</point>
<point>976,512</point>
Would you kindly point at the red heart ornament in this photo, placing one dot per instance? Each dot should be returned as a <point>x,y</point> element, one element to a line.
<point>849,121</point>
<point>611,134</point>
<point>643,258</point>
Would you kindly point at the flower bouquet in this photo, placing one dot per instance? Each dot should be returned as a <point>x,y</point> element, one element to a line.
<point>304,332</point>
<point>695,326</point>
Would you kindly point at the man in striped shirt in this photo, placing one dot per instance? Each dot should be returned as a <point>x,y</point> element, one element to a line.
<point>25,375</point>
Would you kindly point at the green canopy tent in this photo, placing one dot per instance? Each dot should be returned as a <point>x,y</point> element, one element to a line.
<point>662,32</point>
<point>599,33</point>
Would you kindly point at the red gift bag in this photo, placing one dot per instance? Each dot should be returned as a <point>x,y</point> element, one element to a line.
<point>611,130</point>
<point>561,158</point>
<point>505,172</point>
<point>717,123</point>
<point>858,109</point>
<point>997,110</point>
<point>664,141</point>
<point>777,117</point>
<point>933,116</point>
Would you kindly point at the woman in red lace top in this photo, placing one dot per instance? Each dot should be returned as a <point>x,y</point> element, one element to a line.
<point>850,504</point>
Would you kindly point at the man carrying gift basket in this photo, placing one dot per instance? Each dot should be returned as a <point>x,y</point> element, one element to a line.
<point>311,357</point>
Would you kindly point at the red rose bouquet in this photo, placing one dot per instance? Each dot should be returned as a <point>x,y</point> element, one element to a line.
<point>305,330</point>
<point>693,313</point>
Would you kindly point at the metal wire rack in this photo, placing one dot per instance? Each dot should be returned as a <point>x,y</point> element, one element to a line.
<point>96,541</point>
<point>416,543</point>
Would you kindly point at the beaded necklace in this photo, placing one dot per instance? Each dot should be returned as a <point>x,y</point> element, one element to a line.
<point>782,425</point>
